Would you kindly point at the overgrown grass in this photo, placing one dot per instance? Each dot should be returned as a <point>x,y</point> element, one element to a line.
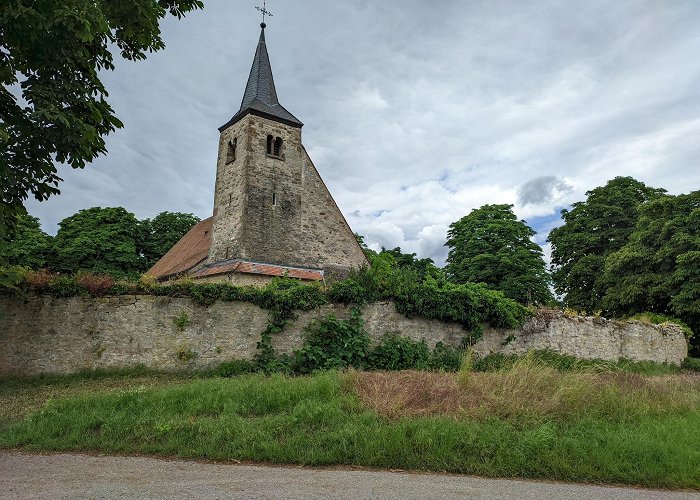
<point>320,420</point>
<point>564,362</point>
<point>529,391</point>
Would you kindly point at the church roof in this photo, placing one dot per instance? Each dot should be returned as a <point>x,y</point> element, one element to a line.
<point>260,97</point>
<point>192,249</point>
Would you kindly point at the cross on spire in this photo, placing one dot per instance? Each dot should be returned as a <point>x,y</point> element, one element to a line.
<point>264,12</point>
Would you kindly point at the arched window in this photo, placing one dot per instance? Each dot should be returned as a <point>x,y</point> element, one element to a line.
<point>231,152</point>
<point>278,147</point>
<point>270,144</point>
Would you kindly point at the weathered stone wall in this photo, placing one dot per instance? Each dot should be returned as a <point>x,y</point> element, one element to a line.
<point>276,209</point>
<point>49,335</point>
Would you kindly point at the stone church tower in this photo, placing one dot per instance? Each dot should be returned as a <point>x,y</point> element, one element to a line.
<point>273,214</point>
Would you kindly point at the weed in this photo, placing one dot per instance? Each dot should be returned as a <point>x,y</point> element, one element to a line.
<point>182,321</point>
<point>185,354</point>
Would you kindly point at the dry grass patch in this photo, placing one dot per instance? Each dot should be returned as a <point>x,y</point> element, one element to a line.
<point>526,392</point>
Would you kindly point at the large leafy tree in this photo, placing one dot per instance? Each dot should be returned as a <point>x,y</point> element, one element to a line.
<point>51,53</point>
<point>102,240</point>
<point>658,270</point>
<point>592,230</point>
<point>162,232</point>
<point>422,267</point>
<point>28,246</point>
<point>490,245</point>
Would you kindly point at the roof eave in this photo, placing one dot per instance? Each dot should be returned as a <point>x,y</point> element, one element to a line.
<point>242,114</point>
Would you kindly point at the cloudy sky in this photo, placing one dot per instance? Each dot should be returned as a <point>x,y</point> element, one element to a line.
<point>415,112</point>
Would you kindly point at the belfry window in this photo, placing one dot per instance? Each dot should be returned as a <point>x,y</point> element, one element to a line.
<point>278,147</point>
<point>231,152</point>
<point>274,146</point>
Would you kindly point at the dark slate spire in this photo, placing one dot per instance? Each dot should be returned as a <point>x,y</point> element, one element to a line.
<point>260,97</point>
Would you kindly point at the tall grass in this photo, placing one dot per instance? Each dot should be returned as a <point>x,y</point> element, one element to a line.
<point>326,419</point>
<point>527,392</point>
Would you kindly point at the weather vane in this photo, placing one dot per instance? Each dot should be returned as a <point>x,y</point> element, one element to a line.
<point>264,11</point>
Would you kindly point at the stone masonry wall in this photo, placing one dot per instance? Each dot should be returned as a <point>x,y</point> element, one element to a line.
<point>49,335</point>
<point>276,209</point>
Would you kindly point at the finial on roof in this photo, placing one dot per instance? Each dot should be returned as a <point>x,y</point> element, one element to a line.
<point>265,12</point>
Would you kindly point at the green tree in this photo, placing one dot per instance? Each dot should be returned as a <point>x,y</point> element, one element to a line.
<point>491,246</point>
<point>592,230</point>
<point>658,270</point>
<point>162,232</point>
<point>29,246</point>
<point>101,240</point>
<point>423,267</point>
<point>52,52</point>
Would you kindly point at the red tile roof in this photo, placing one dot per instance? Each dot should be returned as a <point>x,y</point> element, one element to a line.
<point>191,250</point>
<point>238,266</point>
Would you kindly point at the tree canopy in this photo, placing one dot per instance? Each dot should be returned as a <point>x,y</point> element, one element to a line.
<point>658,270</point>
<point>162,232</point>
<point>491,246</point>
<point>592,230</point>
<point>52,101</point>
<point>28,246</point>
<point>101,240</point>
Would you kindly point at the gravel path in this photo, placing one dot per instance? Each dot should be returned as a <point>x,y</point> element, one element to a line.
<point>68,476</point>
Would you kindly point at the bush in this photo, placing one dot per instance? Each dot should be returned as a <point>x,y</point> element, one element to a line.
<point>398,353</point>
<point>40,280</point>
<point>65,286</point>
<point>444,358</point>
<point>332,343</point>
<point>12,277</point>
<point>96,285</point>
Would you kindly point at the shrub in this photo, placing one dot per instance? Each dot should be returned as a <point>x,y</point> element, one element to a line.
<point>95,284</point>
<point>65,286</point>
<point>12,277</point>
<point>332,343</point>
<point>40,280</point>
<point>394,352</point>
<point>444,358</point>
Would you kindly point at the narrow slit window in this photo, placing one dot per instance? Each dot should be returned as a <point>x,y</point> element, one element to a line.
<point>270,144</point>
<point>278,147</point>
<point>274,199</point>
<point>231,153</point>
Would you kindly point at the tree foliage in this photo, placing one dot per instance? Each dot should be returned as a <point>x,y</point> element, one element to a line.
<point>491,246</point>
<point>422,267</point>
<point>28,246</point>
<point>592,230</point>
<point>162,232</point>
<point>658,270</point>
<point>51,54</point>
<point>102,240</point>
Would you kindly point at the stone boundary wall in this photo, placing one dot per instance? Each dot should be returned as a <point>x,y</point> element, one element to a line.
<point>43,334</point>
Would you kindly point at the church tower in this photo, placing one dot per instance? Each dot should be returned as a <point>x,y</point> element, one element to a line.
<point>273,214</point>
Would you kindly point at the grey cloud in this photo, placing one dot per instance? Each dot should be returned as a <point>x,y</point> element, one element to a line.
<point>542,190</point>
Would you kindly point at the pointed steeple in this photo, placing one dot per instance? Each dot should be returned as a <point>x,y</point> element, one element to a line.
<point>260,97</point>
